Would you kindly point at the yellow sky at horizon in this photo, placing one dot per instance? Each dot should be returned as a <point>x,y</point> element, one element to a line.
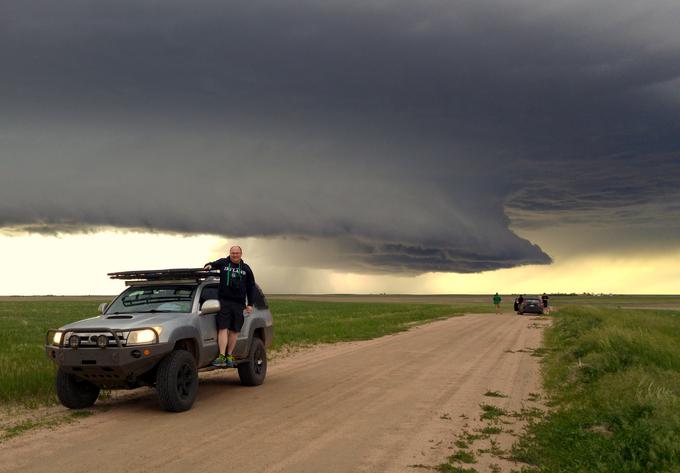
<point>75,264</point>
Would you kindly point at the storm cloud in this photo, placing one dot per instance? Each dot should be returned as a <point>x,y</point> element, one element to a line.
<point>394,135</point>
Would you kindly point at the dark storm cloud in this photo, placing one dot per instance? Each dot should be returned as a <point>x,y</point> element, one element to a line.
<point>616,190</point>
<point>398,133</point>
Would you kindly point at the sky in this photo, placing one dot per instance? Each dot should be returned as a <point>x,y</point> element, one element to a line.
<point>348,146</point>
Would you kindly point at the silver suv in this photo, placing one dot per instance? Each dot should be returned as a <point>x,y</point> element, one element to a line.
<point>158,332</point>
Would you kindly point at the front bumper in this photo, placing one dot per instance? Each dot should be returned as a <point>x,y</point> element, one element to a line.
<point>117,366</point>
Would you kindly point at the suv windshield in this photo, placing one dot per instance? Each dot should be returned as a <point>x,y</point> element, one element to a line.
<point>161,298</point>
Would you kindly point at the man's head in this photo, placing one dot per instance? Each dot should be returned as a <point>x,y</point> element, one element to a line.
<point>235,253</point>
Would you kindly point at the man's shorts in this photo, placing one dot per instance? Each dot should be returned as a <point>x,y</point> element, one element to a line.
<point>230,316</point>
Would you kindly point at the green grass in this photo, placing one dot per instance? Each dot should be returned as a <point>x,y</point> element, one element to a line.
<point>494,449</point>
<point>460,443</point>
<point>490,412</point>
<point>448,468</point>
<point>623,301</point>
<point>27,425</point>
<point>299,322</point>
<point>491,430</point>
<point>27,376</point>
<point>613,378</point>
<point>453,461</point>
<point>462,456</point>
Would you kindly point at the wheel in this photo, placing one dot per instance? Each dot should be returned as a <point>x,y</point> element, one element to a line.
<point>177,381</point>
<point>521,313</point>
<point>253,371</point>
<point>75,393</point>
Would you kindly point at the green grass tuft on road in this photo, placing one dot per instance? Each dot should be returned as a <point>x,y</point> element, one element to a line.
<point>613,376</point>
<point>27,376</point>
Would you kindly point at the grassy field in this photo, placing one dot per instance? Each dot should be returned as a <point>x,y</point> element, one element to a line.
<point>620,301</point>
<point>613,376</point>
<point>27,376</point>
<point>484,300</point>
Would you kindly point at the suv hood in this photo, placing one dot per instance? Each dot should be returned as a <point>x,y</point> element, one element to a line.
<point>126,321</point>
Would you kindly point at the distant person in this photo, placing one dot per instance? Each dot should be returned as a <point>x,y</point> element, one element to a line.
<point>497,302</point>
<point>236,284</point>
<point>520,300</point>
<point>515,304</point>
<point>544,299</point>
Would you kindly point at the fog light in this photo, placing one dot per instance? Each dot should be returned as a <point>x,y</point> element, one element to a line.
<point>102,341</point>
<point>147,352</point>
<point>73,341</point>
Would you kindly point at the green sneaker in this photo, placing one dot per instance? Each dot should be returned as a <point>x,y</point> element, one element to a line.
<point>220,361</point>
<point>230,362</point>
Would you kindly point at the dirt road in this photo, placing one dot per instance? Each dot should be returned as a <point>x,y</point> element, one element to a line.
<point>373,406</point>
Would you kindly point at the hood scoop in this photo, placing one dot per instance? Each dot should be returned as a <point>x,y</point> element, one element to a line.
<point>119,317</point>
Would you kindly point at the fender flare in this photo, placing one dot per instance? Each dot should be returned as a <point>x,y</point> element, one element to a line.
<point>256,324</point>
<point>181,333</point>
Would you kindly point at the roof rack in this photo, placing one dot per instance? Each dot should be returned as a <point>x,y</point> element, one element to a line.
<point>176,274</point>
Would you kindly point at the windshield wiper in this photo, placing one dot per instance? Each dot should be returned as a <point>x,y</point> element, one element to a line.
<point>154,300</point>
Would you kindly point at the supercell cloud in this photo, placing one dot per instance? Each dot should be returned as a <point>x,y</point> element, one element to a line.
<point>394,135</point>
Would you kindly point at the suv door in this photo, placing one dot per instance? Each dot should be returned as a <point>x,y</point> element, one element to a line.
<point>208,325</point>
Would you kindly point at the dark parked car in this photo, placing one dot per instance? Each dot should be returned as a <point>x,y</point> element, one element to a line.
<point>531,305</point>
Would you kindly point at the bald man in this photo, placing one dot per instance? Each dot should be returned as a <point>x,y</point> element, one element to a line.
<point>236,284</point>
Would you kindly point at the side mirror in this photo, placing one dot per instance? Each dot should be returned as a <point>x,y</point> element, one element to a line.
<point>102,307</point>
<point>211,306</point>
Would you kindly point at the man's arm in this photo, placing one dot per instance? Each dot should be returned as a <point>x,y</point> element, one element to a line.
<point>250,290</point>
<point>215,264</point>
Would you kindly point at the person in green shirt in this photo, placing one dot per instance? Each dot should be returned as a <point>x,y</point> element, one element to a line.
<point>497,303</point>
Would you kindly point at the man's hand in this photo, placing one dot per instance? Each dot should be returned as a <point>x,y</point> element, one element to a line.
<point>249,309</point>
<point>207,267</point>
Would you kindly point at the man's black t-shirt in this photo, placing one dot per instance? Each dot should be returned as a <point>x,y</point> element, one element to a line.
<point>236,281</point>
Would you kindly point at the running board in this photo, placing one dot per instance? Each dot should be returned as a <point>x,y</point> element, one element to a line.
<point>213,368</point>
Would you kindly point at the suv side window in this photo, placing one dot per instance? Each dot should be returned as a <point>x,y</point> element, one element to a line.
<point>208,292</point>
<point>260,301</point>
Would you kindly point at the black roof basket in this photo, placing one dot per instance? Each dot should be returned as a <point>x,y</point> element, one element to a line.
<point>175,274</point>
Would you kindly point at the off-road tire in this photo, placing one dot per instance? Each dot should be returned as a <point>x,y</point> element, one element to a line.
<point>75,393</point>
<point>253,371</point>
<point>177,381</point>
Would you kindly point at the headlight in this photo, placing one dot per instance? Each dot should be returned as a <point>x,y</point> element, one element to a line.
<point>143,337</point>
<point>56,338</point>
